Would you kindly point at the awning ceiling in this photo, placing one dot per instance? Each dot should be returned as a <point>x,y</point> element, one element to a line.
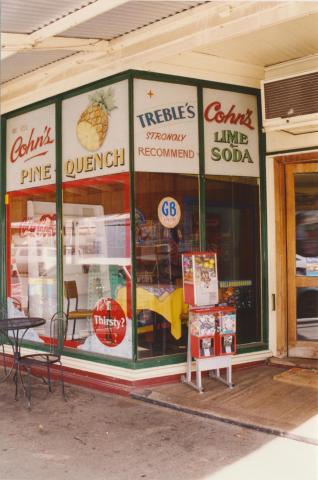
<point>50,46</point>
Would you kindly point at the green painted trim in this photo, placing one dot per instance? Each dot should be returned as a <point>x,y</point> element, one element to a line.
<point>67,352</point>
<point>68,94</point>
<point>162,77</point>
<point>114,361</point>
<point>202,180</point>
<point>161,361</point>
<point>2,212</point>
<point>105,360</point>
<point>97,84</point>
<point>31,107</point>
<point>132,217</point>
<point>127,74</point>
<point>263,221</point>
<point>252,348</point>
<point>59,206</point>
<point>293,150</point>
<point>144,363</point>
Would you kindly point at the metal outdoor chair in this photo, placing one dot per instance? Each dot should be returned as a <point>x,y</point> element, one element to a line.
<point>71,293</point>
<point>58,329</point>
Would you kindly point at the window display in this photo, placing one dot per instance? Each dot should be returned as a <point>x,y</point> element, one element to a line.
<point>96,223</point>
<point>160,305</point>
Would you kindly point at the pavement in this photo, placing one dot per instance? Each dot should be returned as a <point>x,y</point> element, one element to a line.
<point>258,401</point>
<point>99,436</point>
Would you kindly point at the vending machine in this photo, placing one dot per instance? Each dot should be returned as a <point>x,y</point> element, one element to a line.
<point>212,327</point>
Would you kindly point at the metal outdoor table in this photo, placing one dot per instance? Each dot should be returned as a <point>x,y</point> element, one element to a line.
<point>18,326</point>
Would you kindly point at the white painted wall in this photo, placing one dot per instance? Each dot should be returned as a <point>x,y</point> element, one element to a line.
<point>283,141</point>
<point>271,239</point>
<point>207,67</point>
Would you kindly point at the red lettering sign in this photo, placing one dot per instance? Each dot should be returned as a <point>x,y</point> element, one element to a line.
<point>45,227</point>
<point>109,322</point>
<point>214,113</point>
<point>31,146</point>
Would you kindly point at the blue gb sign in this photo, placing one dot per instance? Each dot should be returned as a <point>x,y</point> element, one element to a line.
<point>169,212</point>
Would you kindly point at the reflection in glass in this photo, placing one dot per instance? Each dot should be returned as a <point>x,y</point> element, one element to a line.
<point>306,206</point>
<point>97,265</point>
<point>307,314</point>
<point>31,287</point>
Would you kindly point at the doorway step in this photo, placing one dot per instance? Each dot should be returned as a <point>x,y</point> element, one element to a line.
<point>310,363</point>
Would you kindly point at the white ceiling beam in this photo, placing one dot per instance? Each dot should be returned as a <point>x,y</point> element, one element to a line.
<point>72,20</point>
<point>158,42</point>
<point>76,18</point>
<point>19,42</point>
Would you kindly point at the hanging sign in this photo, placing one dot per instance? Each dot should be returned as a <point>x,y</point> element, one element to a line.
<point>31,149</point>
<point>95,133</point>
<point>109,322</point>
<point>166,127</point>
<point>231,137</point>
<point>169,212</point>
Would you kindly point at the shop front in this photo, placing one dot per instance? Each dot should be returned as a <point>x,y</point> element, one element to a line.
<point>105,187</point>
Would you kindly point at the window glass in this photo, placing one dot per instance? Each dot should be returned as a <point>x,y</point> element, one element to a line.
<point>31,259</point>
<point>306,201</point>
<point>97,265</point>
<point>161,312</point>
<point>233,231</point>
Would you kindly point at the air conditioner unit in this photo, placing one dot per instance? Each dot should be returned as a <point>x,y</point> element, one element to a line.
<point>291,103</point>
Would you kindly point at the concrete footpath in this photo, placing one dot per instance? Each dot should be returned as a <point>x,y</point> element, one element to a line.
<point>99,436</point>
<point>258,400</point>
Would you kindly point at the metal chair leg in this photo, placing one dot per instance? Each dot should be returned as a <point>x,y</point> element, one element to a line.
<point>62,381</point>
<point>74,325</point>
<point>28,391</point>
<point>49,377</point>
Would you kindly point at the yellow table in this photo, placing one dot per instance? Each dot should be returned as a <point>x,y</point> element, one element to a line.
<point>170,304</point>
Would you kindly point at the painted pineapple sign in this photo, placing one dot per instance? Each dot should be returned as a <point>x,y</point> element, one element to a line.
<point>92,125</point>
<point>95,138</point>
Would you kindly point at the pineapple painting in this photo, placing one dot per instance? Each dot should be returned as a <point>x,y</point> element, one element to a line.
<point>92,125</point>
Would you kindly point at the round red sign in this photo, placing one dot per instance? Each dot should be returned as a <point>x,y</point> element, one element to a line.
<point>109,322</point>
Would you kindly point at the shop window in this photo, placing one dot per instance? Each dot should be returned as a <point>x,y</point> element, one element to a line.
<point>233,231</point>
<point>161,312</point>
<point>97,265</point>
<point>31,258</point>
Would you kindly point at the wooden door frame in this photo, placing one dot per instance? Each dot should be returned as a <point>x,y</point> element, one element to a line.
<point>281,242</point>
